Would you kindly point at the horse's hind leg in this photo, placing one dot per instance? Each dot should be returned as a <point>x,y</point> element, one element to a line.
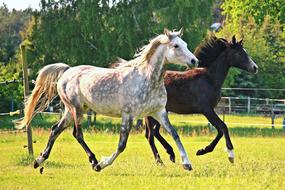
<point>56,130</point>
<point>77,133</point>
<point>152,129</point>
<point>150,137</point>
<point>164,143</point>
<point>124,133</point>
<point>222,129</point>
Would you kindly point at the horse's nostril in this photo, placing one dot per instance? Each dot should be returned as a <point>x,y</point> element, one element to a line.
<point>193,61</point>
<point>255,69</point>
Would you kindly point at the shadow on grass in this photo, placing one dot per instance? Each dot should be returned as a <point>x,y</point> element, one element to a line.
<point>53,164</point>
<point>123,174</point>
<point>234,131</point>
<point>45,122</point>
<point>25,160</point>
<point>28,160</point>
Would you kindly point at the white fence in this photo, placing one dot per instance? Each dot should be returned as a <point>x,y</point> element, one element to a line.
<point>251,105</point>
<point>248,105</point>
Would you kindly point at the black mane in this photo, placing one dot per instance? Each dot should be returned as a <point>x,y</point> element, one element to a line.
<point>210,49</point>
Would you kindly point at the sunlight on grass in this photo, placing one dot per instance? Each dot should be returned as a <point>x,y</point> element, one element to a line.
<point>259,164</point>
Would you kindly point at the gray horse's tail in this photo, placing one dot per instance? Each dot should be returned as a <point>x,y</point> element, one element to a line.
<point>43,93</point>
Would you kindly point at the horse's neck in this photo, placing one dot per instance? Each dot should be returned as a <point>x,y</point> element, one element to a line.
<point>219,69</point>
<point>155,69</point>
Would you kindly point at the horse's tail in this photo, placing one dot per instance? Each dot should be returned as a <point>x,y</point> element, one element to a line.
<point>43,93</point>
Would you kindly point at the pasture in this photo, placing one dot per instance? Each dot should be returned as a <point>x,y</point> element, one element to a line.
<point>259,162</point>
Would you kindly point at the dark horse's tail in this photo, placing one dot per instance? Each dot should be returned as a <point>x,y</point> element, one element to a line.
<point>43,93</point>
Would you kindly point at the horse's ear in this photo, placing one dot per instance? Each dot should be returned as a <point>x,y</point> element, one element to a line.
<point>180,32</point>
<point>234,41</point>
<point>166,32</point>
<point>240,42</point>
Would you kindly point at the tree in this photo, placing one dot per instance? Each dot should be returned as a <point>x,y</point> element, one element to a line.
<point>265,44</point>
<point>96,32</point>
<point>11,23</point>
<point>235,9</point>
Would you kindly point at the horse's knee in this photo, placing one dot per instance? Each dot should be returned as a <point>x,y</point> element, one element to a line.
<point>220,134</point>
<point>224,128</point>
<point>78,135</point>
<point>174,135</point>
<point>54,127</point>
<point>151,139</point>
<point>121,147</point>
<point>74,133</point>
<point>146,134</point>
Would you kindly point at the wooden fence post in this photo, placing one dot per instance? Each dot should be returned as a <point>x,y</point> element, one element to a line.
<point>26,94</point>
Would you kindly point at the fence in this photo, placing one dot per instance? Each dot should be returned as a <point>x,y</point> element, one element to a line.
<point>273,108</point>
<point>249,105</point>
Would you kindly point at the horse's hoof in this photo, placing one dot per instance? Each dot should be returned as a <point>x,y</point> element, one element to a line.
<point>159,162</point>
<point>172,158</point>
<point>231,159</point>
<point>187,167</point>
<point>97,168</point>
<point>36,164</point>
<point>200,152</point>
<point>41,170</point>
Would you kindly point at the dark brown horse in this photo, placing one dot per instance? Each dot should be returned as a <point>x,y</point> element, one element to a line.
<point>199,90</point>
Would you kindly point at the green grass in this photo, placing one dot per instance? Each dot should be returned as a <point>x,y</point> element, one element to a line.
<point>259,164</point>
<point>259,150</point>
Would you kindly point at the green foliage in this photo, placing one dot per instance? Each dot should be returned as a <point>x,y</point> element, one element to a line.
<point>91,32</point>
<point>234,9</point>
<point>96,32</point>
<point>10,91</point>
<point>262,28</point>
<point>11,23</point>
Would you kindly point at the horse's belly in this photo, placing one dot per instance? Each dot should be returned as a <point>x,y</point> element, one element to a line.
<point>150,105</point>
<point>105,104</point>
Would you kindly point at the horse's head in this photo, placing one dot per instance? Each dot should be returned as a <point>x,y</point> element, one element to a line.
<point>177,51</point>
<point>240,58</point>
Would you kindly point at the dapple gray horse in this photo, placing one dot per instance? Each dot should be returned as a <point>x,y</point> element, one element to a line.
<point>128,92</point>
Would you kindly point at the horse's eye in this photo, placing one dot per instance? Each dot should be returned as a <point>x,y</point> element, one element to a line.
<point>176,46</point>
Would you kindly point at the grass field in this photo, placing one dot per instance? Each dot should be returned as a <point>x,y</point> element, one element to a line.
<point>259,162</point>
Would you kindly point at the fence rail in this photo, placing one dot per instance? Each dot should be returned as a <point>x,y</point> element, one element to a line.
<point>272,108</point>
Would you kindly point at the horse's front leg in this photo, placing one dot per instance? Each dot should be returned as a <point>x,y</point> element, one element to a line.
<point>124,134</point>
<point>222,129</point>
<point>162,118</point>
